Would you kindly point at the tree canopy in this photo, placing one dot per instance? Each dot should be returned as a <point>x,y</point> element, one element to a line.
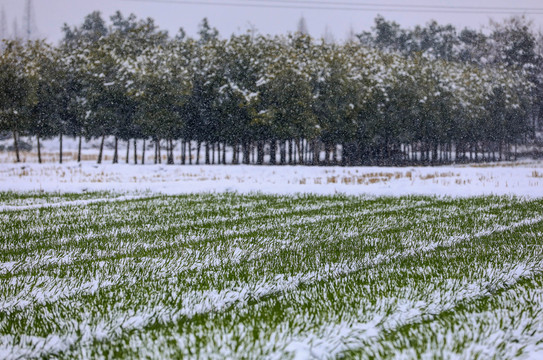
<point>396,96</point>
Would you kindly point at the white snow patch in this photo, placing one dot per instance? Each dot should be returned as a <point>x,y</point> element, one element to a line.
<point>462,181</point>
<point>70,203</point>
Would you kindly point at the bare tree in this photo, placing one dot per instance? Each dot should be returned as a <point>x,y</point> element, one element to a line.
<point>29,21</point>
<point>328,36</point>
<point>3,25</point>
<point>15,34</point>
<point>351,37</point>
<point>302,27</point>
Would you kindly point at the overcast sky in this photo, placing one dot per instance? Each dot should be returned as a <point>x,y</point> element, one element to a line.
<point>169,15</point>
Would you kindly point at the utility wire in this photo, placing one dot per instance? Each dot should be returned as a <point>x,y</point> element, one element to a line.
<point>416,6</point>
<point>375,7</point>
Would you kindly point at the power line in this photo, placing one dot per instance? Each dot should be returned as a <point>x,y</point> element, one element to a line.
<point>415,6</point>
<point>375,7</point>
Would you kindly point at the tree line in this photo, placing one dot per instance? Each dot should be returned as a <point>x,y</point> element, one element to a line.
<point>394,96</point>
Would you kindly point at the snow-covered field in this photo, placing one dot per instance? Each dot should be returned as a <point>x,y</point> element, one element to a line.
<point>522,178</point>
<point>158,261</point>
<point>275,277</point>
<point>525,179</point>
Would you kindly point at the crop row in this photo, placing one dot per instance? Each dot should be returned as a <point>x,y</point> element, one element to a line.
<point>269,276</point>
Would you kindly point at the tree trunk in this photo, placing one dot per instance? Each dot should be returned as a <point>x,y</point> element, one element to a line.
<point>60,150</point>
<point>39,148</point>
<point>101,151</point>
<point>79,149</point>
<point>273,148</point>
<point>435,153</point>
<point>16,147</point>
<point>224,153</point>
<point>190,151</point>
<point>308,152</point>
<point>135,151</point>
<point>199,145</point>
<point>457,149</point>
<point>235,153</point>
<point>116,151</point>
<point>299,144</point>
<point>167,152</point>
<point>183,149</point>
<point>328,154</point>
<point>127,150</point>
<point>207,153</point>
<point>213,153</point>
<point>156,152</point>
<point>282,152</point>
<point>244,155</point>
<point>316,153</point>
<point>170,153</point>
<point>494,152</point>
<point>246,152</point>
<point>290,157</point>
<point>343,155</point>
<point>143,153</point>
<point>159,152</point>
<point>311,151</point>
<point>260,152</point>
<point>301,151</point>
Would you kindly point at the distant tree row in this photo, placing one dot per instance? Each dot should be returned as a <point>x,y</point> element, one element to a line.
<point>395,97</point>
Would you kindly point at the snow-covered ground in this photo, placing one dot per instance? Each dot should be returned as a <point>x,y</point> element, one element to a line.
<point>512,179</point>
<point>523,178</point>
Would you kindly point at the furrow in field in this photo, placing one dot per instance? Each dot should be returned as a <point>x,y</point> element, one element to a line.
<point>507,332</point>
<point>199,302</point>
<point>190,207</point>
<point>5,208</point>
<point>405,305</point>
<point>47,255</point>
<point>216,254</point>
<point>126,217</point>
<point>65,257</point>
<point>502,325</point>
<point>48,290</point>
<point>189,256</point>
<point>411,309</point>
<point>332,339</point>
<point>16,199</point>
<point>181,221</point>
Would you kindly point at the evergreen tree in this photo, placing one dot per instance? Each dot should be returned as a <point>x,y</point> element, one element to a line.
<point>16,91</point>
